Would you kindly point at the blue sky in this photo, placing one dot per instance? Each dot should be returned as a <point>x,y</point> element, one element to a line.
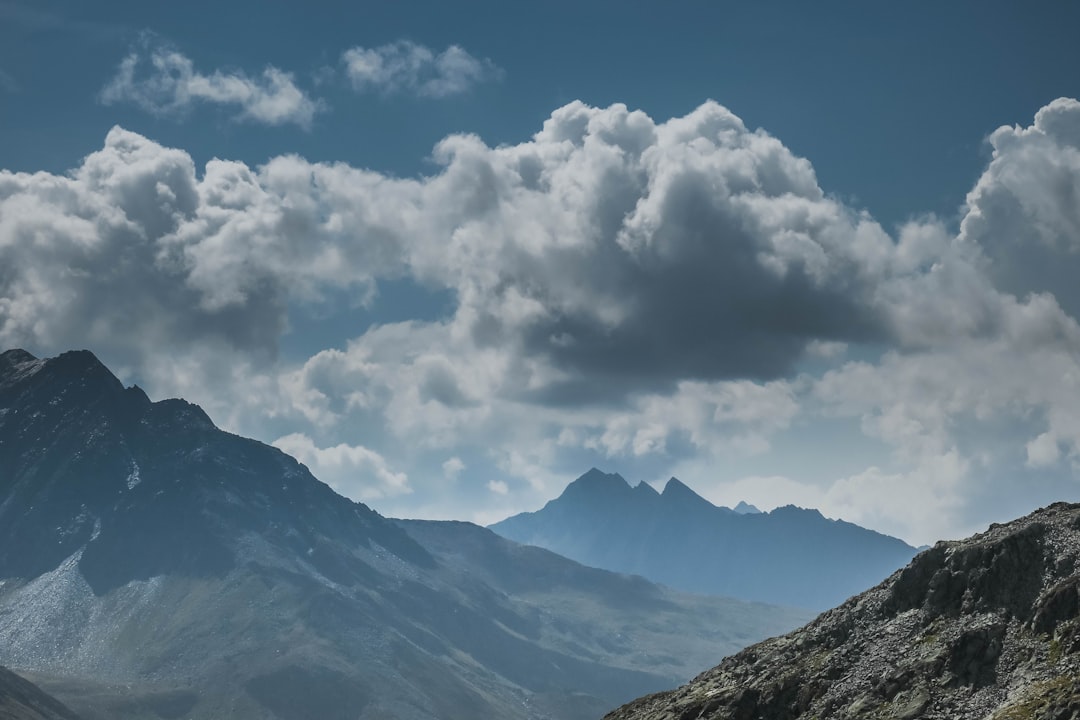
<point>451,255</point>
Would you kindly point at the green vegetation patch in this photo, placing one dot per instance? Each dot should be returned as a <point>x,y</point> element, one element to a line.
<point>1042,699</point>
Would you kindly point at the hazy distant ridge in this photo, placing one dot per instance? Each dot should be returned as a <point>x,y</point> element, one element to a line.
<point>789,556</point>
<point>986,628</point>
<point>154,566</point>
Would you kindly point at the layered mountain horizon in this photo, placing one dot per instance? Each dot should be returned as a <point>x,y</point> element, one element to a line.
<point>986,628</point>
<point>788,556</point>
<point>154,566</point>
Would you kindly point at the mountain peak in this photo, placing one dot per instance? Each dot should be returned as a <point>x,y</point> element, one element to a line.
<point>596,483</point>
<point>179,413</point>
<point>17,364</point>
<point>676,486</point>
<point>745,508</point>
<point>644,488</point>
<point>83,368</point>
<point>15,356</point>
<point>677,490</point>
<point>793,511</point>
<point>81,358</point>
<point>789,556</point>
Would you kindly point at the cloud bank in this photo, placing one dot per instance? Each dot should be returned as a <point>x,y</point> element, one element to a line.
<point>623,288</point>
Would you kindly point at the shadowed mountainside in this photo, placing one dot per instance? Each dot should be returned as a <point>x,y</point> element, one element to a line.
<point>20,699</point>
<point>982,628</point>
<point>789,556</point>
<point>154,566</point>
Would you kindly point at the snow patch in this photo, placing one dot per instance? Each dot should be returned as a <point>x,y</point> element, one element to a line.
<point>55,623</point>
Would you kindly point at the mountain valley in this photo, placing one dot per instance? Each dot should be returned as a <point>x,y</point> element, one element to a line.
<point>154,566</point>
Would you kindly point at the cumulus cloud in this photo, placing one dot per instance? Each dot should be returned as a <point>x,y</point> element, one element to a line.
<point>406,67</point>
<point>739,414</point>
<point>352,470</point>
<point>609,256</point>
<point>1043,450</point>
<point>623,288</point>
<point>132,253</point>
<point>173,85</point>
<point>1024,212</point>
<point>452,468</point>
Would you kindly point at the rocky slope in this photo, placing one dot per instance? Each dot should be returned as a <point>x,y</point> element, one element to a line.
<point>20,699</point>
<point>154,566</point>
<point>789,556</point>
<point>987,627</point>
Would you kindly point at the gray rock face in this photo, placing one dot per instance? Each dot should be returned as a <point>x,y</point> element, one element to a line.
<point>982,628</point>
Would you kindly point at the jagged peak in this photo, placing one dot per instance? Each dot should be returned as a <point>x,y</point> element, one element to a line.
<point>677,488</point>
<point>82,364</point>
<point>17,364</point>
<point>745,508</point>
<point>792,510</point>
<point>16,356</point>
<point>596,483</point>
<point>183,413</point>
<point>80,355</point>
<point>645,488</point>
<point>83,368</point>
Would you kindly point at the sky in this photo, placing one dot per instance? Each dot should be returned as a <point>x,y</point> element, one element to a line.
<point>452,255</point>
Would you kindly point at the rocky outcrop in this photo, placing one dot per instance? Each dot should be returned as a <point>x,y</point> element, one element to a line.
<point>982,628</point>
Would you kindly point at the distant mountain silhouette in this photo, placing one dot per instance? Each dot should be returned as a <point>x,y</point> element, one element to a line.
<point>789,556</point>
<point>154,566</point>
<point>986,628</point>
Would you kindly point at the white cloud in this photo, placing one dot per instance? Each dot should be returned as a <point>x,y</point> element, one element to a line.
<point>1043,450</point>
<point>624,288</point>
<point>132,253</point>
<point>352,470</point>
<point>452,468</point>
<point>920,504</point>
<point>499,487</point>
<point>1024,212</point>
<point>826,350</point>
<point>738,414</point>
<point>173,85</point>
<point>405,66</point>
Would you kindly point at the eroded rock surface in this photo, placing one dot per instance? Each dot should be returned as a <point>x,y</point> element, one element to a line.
<point>986,627</point>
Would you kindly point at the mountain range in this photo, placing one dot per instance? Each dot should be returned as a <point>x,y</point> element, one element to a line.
<point>982,629</point>
<point>790,556</point>
<point>155,566</point>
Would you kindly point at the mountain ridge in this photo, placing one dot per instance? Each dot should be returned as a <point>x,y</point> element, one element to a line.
<point>788,556</point>
<point>206,575</point>
<point>982,628</point>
